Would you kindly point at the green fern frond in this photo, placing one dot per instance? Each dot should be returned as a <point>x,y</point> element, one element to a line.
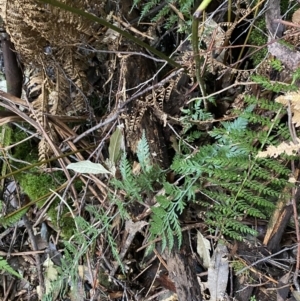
<point>12,218</point>
<point>125,168</point>
<point>162,13</point>
<point>143,153</point>
<point>166,14</point>
<point>271,86</point>
<point>4,266</point>
<point>128,182</point>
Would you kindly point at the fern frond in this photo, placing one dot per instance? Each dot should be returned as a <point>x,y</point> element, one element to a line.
<point>275,87</point>
<point>143,153</point>
<point>4,266</point>
<point>12,218</point>
<point>288,148</point>
<point>125,167</point>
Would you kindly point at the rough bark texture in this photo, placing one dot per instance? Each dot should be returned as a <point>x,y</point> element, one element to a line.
<point>273,13</point>
<point>290,58</point>
<point>182,271</point>
<point>13,72</point>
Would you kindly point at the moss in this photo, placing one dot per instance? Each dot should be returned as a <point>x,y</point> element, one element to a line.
<point>25,151</point>
<point>36,184</point>
<point>64,222</point>
<point>67,225</point>
<point>285,6</point>
<point>258,38</point>
<point>78,185</point>
<point>6,135</point>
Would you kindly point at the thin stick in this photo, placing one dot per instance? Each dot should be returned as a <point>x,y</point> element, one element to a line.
<point>113,116</point>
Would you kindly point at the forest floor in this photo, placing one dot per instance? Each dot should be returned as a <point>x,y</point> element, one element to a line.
<point>131,154</point>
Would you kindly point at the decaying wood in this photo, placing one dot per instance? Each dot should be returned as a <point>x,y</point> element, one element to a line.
<point>13,72</point>
<point>290,58</point>
<point>182,271</point>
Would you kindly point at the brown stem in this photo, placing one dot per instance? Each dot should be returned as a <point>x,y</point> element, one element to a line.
<point>13,72</point>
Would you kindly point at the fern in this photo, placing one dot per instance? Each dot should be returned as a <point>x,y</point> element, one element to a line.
<point>143,154</point>
<point>107,230</point>
<point>275,87</point>
<point>4,266</point>
<point>12,218</point>
<point>78,246</point>
<point>239,184</point>
<point>276,64</point>
<point>167,14</point>
<point>225,176</point>
<point>128,182</point>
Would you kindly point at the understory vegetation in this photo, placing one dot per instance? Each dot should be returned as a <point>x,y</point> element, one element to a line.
<point>148,133</point>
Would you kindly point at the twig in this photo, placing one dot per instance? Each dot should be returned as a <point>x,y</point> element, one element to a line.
<point>125,52</point>
<point>36,256</point>
<point>264,259</point>
<point>131,229</point>
<point>195,45</point>
<point>12,282</point>
<point>153,280</point>
<point>5,254</point>
<point>152,297</point>
<point>294,202</point>
<point>133,29</point>
<point>286,23</point>
<point>110,118</point>
<point>113,116</point>
<point>220,91</point>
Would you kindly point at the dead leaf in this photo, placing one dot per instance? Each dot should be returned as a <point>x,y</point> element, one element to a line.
<point>282,288</point>
<point>203,249</point>
<point>218,273</point>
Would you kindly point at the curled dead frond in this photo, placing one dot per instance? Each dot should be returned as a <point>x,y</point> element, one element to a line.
<point>56,83</point>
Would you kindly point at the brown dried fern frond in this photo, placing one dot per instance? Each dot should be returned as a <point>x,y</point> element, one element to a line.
<point>49,21</point>
<point>44,150</point>
<point>289,148</point>
<point>58,84</point>
<point>292,100</point>
<point>72,84</point>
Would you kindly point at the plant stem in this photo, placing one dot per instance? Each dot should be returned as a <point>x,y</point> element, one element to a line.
<point>195,46</point>
<point>42,162</point>
<point>201,8</point>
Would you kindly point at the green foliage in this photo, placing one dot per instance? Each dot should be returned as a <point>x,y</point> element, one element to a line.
<point>24,151</point>
<point>77,246</point>
<point>36,184</point>
<point>143,182</point>
<point>12,218</point>
<point>194,112</point>
<point>167,14</point>
<point>6,135</point>
<point>236,184</point>
<point>275,87</point>
<point>259,38</point>
<point>224,176</point>
<point>296,76</point>
<point>143,154</point>
<point>276,64</point>
<point>4,266</point>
